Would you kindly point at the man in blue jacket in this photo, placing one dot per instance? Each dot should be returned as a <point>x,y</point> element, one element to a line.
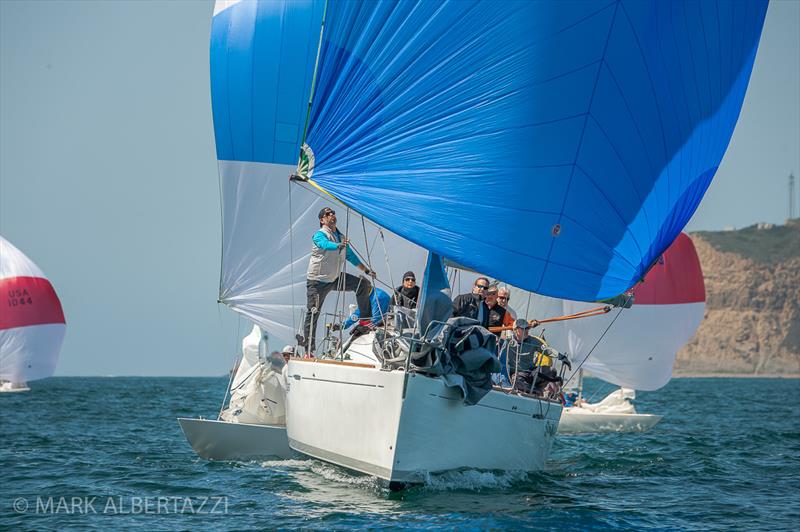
<point>379,301</point>
<point>326,274</point>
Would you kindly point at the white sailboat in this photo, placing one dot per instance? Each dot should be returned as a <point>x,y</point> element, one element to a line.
<point>32,324</point>
<point>253,426</point>
<point>430,127</point>
<point>614,413</point>
<point>638,352</point>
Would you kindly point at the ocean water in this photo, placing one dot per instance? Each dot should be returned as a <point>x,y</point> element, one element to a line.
<point>107,453</point>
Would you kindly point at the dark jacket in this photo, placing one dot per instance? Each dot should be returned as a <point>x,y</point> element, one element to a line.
<point>468,306</point>
<point>496,315</point>
<point>406,297</point>
<point>520,357</point>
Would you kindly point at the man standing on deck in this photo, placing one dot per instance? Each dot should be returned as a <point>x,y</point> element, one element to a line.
<point>326,273</point>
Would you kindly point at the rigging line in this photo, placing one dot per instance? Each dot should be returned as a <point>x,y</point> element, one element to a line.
<point>342,281</point>
<point>386,258</point>
<point>314,76</point>
<point>291,257</point>
<point>236,362</point>
<point>528,306</point>
<point>366,242</point>
<point>391,287</point>
<point>622,307</point>
<point>594,394</point>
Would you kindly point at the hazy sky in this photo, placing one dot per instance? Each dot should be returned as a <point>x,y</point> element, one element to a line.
<point>108,174</point>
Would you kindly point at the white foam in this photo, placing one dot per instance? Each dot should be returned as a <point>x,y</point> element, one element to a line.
<point>471,479</point>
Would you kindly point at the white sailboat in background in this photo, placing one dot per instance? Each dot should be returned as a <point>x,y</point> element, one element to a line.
<point>638,352</point>
<point>253,425</point>
<point>32,324</point>
<point>522,140</point>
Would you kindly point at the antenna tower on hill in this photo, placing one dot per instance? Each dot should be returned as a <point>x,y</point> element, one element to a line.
<point>791,196</point>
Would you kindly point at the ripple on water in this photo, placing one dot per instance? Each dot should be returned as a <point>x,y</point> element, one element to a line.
<point>716,461</point>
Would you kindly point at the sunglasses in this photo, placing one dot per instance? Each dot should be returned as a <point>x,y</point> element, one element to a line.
<point>409,279</point>
<point>502,297</point>
<point>482,286</point>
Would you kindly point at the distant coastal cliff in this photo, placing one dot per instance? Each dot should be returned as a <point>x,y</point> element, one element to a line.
<point>752,319</point>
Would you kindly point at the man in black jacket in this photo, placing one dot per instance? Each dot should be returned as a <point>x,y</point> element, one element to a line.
<point>471,305</point>
<point>407,295</point>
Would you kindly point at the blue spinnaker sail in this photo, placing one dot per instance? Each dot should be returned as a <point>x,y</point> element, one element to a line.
<point>558,146</point>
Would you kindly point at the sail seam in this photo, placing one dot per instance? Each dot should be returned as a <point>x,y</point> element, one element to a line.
<point>580,142</point>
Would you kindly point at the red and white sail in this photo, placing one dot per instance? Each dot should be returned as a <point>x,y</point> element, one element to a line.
<point>32,324</point>
<point>639,349</point>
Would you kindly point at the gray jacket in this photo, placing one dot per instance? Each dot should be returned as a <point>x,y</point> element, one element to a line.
<point>325,265</point>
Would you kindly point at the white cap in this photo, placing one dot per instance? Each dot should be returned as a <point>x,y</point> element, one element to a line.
<point>288,349</point>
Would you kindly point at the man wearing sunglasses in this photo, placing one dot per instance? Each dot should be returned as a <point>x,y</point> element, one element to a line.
<point>326,274</point>
<point>471,305</point>
<point>407,294</point>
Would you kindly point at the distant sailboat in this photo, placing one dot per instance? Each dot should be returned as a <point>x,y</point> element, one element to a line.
<point>32,324</point>
<point>638,352</point>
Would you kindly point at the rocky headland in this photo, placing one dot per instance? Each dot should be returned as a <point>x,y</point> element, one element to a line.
<point>752,318</point>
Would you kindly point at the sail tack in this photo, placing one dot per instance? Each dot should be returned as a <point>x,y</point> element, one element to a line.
<point>639,350</point>
<point>32,324</point>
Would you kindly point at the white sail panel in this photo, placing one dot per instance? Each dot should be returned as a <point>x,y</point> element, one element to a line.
<point>639,350</point>
<point>266,245</point>
<point>30,353</point>
<point>32,324</point>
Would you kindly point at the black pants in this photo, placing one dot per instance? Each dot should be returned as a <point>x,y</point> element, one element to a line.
<point>317,291</point>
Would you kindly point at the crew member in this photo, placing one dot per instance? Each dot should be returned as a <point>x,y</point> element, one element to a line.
<point>495,312</point>
<point>325,273</point>
<point>407,295</point>
<point>379,305</point>
<point>520,351</point>
<point>471,305</point>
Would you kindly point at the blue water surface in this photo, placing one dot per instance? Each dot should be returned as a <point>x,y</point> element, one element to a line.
<point>726,455</point>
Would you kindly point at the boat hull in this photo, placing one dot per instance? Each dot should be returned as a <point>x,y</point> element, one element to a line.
<point>399,426</point>
<point>573,421</point>
<point>222,440</point>
<point>13,387</point>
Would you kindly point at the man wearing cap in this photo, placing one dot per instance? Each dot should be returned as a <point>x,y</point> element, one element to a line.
<point>407,295</point>
<point>529,362</point>
<point>518,353</point>
<point>287,352</point>
<point>326,273</point>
